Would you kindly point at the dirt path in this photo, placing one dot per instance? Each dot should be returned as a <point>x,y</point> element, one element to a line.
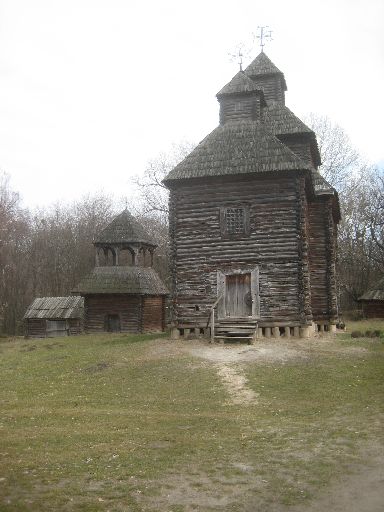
<point>236,385</point>
<point>361,490</point>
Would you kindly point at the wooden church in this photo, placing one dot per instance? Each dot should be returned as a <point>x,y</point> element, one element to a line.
<point>252,222</point>
<point>123,293</point>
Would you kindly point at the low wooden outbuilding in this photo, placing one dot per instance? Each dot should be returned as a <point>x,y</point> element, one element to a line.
<point>372,302</point>
<point>123,293</point>
<point>48,317</point>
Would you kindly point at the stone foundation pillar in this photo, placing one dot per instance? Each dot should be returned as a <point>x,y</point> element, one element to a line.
<point>305,331</point>
<point>175,333</point>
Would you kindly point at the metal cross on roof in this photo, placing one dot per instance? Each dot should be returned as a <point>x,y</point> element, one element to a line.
<point>264,35</point>
<point>240,55</point>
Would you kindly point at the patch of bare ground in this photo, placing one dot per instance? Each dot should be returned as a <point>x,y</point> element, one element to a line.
<point>359,488</point>
<point>236,385</point>
<point>270,350</point>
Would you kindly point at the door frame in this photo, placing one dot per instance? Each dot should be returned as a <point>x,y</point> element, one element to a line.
<point>221,290</point>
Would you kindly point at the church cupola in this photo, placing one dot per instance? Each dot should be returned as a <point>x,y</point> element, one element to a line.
<point>268,77</point>
<point>241,98</point>
<point>123,237</point>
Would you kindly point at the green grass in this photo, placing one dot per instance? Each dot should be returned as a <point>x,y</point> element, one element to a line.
<point>109,423</point>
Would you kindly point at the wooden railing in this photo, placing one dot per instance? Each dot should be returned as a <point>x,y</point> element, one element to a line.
<point>211,318</point>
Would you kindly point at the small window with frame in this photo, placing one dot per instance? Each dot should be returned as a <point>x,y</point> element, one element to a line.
<point>234,221</point>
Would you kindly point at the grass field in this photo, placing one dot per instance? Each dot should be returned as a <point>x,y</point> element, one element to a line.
<point>141,423</point>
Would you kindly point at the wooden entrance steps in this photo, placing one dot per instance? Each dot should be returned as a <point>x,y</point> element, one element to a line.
<point>235,330</point>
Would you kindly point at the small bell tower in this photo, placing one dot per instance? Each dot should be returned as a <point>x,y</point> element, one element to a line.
<point>124,233</point>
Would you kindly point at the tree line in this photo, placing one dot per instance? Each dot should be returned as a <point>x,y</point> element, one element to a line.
<point>45,252</point>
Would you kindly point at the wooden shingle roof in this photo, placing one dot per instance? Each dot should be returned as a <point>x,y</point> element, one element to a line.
<point>56,307</point>
<point>263,65</point>
<point>375,293</point>
<point>282,121</point>
<point>237,147</point>
<point>130,280</point>
<point>239,84</point>
<point>124,229</point>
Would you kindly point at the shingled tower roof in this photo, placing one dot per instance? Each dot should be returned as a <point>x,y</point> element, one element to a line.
<point>124,229</point>
<point>282,121</point>
<point>263,65</point>
<point>239,84</point>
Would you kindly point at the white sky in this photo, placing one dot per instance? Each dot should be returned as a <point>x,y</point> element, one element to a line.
<point>90,90</point>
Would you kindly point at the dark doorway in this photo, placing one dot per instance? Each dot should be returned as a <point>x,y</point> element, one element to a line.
<point>112,323</point>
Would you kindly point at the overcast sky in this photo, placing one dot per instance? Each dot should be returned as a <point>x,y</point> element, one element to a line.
<point>90,90</point>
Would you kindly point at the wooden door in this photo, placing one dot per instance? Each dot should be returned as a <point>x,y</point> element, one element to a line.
<point>113,323</point>
<point>238,299</point>
<point>239,294</point>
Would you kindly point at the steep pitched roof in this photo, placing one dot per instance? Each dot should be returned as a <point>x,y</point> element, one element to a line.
<point>321,185</point>
<point>263,65</point>
<point>124,229</point>
<point>56,307</point>
<point>237,147</point>
<point>130,280</point>
<point>375,293</point>
<point>282,121</point>
<point>240,83</point>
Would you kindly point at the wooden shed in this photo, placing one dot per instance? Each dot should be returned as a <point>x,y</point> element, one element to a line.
<point>47,317</point>
<point>372,302</point>
<point>252,222</point>
<point>123,293</point>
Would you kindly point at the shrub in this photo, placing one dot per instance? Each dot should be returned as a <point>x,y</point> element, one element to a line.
<point>356,334</point>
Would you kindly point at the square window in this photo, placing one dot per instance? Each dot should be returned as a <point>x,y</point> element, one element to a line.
<point>234,221</point>
<point>234,218</point>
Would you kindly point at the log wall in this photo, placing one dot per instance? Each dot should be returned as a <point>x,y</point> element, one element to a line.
<point>322,258</point>
<point>272,86</point>
<point>35,328</point>
<point>239,107</point>
<point>373,308</point>
<point>128,307</point>
<point>153,313</point>
<point>276,244</point>
<point>75,326</point>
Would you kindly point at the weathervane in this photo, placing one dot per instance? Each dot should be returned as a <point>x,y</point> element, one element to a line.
<point>264,35</point>
<point>240,55</point>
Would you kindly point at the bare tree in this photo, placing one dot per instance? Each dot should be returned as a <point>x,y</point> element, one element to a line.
<point>153,193</point>
<point>340,160</point>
